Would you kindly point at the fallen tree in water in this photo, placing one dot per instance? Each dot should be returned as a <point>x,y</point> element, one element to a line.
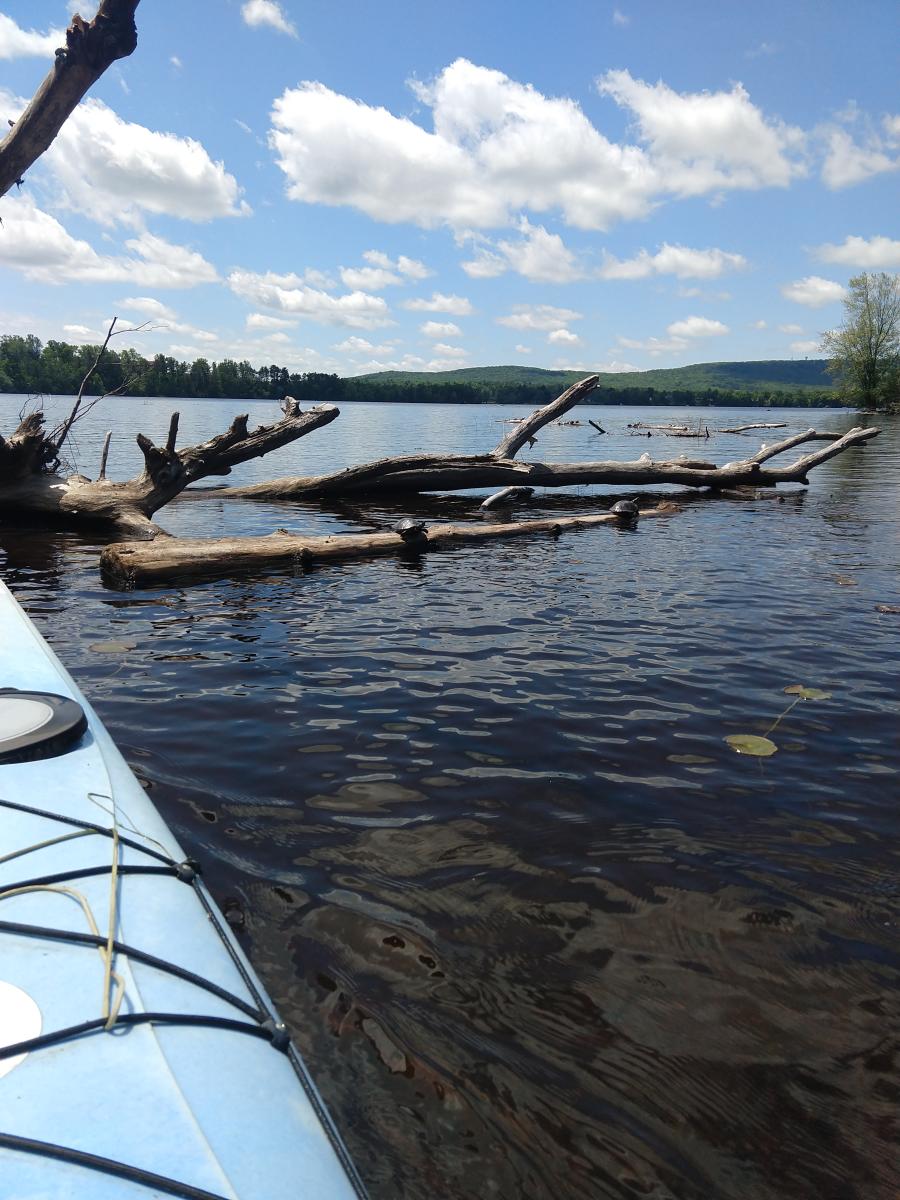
<point>130,565</point>
<point>499,467</point>
<point>30,484</point>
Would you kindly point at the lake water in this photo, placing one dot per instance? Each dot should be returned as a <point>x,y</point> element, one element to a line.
<point>538,930</point>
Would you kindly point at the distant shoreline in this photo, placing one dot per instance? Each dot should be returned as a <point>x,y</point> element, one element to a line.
<point>29,367</point>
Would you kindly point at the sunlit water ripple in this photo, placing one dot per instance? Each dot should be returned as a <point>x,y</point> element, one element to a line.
<point>538,930</point>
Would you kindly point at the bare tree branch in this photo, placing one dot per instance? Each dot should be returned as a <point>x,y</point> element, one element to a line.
<point>89,50</point>
<point>524,432</point>
<point>59,435</point>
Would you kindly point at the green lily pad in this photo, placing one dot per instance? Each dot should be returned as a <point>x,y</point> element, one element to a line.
<point>751,743</point>
<point>807,693</point>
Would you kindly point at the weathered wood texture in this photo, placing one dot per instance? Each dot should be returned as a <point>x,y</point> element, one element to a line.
<point>420,473</point>
<point>525,430</point>
<point>90,48</point>
<point>171,560</point>
<point>27,486</point>
<point>755,425</point>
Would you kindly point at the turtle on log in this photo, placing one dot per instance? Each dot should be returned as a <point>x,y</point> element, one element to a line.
<point>506,497</point>
<point>411,530</point>
<point>626,511</point>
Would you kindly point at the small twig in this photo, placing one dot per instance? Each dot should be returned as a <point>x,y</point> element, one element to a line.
<point>105,454</point>
<point>58,438</point>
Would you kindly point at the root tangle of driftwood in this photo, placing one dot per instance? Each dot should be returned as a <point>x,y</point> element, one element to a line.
<point>28,485</point>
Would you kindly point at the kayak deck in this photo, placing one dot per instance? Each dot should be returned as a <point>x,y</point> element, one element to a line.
<point>195,1082</point>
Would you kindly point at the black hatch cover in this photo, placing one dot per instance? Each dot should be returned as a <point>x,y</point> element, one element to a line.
<point>37,725</point>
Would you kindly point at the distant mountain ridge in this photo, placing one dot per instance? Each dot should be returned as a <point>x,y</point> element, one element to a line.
<point>763,375</point>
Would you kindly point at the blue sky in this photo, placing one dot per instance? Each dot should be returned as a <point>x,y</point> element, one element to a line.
<point>353,187</point>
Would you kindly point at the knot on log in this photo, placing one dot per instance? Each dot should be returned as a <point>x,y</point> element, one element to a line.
<point>162,465</point>
<point>111,35</point>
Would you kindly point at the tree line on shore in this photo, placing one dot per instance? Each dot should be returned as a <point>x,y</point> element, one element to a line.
<point>31,367</point>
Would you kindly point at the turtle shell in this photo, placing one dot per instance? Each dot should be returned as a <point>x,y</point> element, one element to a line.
<point>409,527</point>
<point>625,508</point>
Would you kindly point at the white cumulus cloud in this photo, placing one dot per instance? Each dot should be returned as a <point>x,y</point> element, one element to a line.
<point>36,244</point>
<point>538,255</point>
<point>264,321</point>
<point>113,169</point>
<point>439,329</point>
<point>875,253</point>
<point>16,42</point>
<point>259,13</point>
<point>147,306</point>
<point>847,162</point>
<point>358,345</point>
<point>813,291</point>
<point>681,261</point>
<point>706,141</point>
<point>654,346</point>
<point>563,337</point>
<point>497,148</point>
<point>456,306</point>
<point>289,294</point>
<point>369,279</point>
<point>806,347</point>
<point>538,316</point>
<point>693,327</point>
<point>383,272</point>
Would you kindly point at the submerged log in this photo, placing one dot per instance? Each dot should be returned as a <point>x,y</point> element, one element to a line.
<point>129,565</point>
<point>755,425</point>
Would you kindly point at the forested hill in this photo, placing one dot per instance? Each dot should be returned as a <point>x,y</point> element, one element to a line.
<point>744,376</point>
<point>57,368</point>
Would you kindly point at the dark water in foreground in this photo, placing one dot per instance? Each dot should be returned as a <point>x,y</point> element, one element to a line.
<point>538,930</point>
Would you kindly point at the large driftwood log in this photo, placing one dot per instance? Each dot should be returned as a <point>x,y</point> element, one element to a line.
<point>89,50</point>
<point>148,564</point>
<point>26,486</point>
<point>378,476</point>
<point>429,473</point>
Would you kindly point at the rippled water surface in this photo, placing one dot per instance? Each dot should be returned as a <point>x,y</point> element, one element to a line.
<point>538,930</point>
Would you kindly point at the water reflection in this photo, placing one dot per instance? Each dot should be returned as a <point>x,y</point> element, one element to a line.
<point>538,930</point>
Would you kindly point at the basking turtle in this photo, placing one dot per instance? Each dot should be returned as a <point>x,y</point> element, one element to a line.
<point>411,530</point>
<point>625,510</point>
<point>506,497</point>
